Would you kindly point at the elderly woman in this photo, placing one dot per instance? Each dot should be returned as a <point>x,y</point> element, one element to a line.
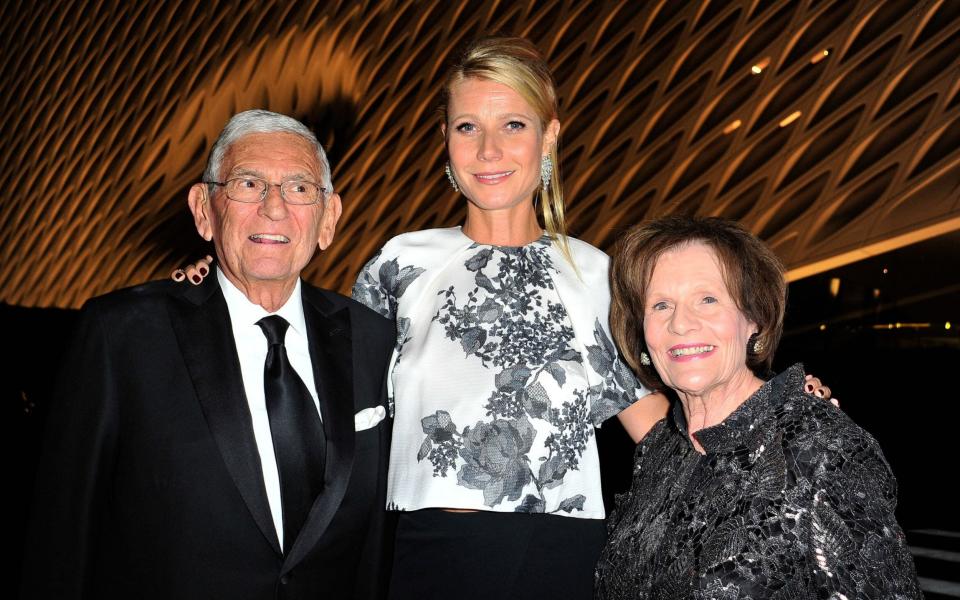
<point>749,488</point>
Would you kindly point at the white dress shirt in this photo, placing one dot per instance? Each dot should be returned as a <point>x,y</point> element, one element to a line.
<point>252,351</point>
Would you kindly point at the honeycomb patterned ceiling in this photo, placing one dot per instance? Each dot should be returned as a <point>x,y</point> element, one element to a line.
<point>830,128</point>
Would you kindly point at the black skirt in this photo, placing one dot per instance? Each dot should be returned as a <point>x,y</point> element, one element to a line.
<point>490,555</point>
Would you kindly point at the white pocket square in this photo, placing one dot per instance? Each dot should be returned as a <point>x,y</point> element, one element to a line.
<point>368,417</point>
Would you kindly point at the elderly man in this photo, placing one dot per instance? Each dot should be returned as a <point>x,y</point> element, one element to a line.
<point>225,440</point>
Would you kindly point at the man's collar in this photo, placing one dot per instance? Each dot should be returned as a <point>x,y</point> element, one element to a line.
<point>245,312</point>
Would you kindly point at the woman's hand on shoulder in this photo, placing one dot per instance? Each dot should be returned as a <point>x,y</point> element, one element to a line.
<point>194,273</point>
<point>813,385</point>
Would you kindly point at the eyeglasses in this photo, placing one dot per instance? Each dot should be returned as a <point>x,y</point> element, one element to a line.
<point>252,190</point>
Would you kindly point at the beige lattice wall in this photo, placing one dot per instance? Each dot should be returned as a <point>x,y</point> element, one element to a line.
<point>109,108</point>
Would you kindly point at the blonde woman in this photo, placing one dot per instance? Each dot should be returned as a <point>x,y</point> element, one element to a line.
<point>504,363</point>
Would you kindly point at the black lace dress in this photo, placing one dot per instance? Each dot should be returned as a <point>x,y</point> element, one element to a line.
<point>792,500</point>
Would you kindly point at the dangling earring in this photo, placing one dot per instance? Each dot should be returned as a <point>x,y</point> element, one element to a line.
<point>453,182</point>
<point>546,171</point>
<point>645,359</point>
<point>754,344</point>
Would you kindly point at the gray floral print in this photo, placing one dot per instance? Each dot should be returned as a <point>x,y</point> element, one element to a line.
<point>507,324</point>
<point>507,384</point>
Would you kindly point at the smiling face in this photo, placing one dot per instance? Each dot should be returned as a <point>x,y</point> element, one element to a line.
<point>694,331</point>
<point>495,143</point>
<point>269,242</point>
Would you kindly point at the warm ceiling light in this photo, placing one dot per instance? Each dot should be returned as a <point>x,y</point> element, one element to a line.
<point>889,326</point>
<point>760,66</point>
<point>790,118</point>
<point>732,126</point>
<point>823,327</point>
<point>834,286</point>
<point>819,56</point>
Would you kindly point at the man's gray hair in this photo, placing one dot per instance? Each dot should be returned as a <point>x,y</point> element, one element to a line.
<point>263,121</point>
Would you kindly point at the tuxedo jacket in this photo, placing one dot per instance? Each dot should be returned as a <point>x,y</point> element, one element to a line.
<point>150,483</point>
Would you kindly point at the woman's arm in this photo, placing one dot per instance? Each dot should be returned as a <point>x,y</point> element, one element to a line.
<point>643,414</point>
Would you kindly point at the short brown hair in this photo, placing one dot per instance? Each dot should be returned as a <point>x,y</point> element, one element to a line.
<point>753,274</point>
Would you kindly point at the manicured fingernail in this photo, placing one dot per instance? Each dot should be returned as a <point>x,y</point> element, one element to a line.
<point>203,271</point>
<point>196,279</point>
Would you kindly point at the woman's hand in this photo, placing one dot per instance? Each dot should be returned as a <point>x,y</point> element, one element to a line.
<point>193,273</point>
<point>814,386</point>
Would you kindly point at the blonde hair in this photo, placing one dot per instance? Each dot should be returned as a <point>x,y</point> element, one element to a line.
<point>517,64</point>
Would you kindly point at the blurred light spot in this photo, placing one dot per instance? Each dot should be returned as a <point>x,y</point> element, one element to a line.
<point>732,126</point>
<point>835,286</point>
<point>760,66</point>
<point>889,326</point>
<point>790,118</point>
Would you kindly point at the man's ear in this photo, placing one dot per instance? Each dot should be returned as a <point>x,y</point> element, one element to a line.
<point>328,222</point>
<point>200,207</point>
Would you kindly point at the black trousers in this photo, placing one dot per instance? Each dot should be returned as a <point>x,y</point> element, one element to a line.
<point>489,556</point>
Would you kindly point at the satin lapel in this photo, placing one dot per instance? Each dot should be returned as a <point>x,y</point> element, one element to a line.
<point>331,352</point>
<point>202,325</point>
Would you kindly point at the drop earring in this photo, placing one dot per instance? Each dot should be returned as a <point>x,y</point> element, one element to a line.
<point>546,171</point>
<point>453,181</point>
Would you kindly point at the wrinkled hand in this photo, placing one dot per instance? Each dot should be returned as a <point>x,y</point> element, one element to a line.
<point>194,273</point>
<point>814,386</point>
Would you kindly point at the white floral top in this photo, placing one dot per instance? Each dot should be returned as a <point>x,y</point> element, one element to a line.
<point>503,367</point>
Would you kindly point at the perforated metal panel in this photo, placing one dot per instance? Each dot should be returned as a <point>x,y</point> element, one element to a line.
<point>109,108</point>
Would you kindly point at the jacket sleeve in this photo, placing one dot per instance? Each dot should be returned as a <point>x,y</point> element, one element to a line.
<point>832,534</point>
<point>75,467</point>
<point>376,558</point>
<point>856,548</point>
